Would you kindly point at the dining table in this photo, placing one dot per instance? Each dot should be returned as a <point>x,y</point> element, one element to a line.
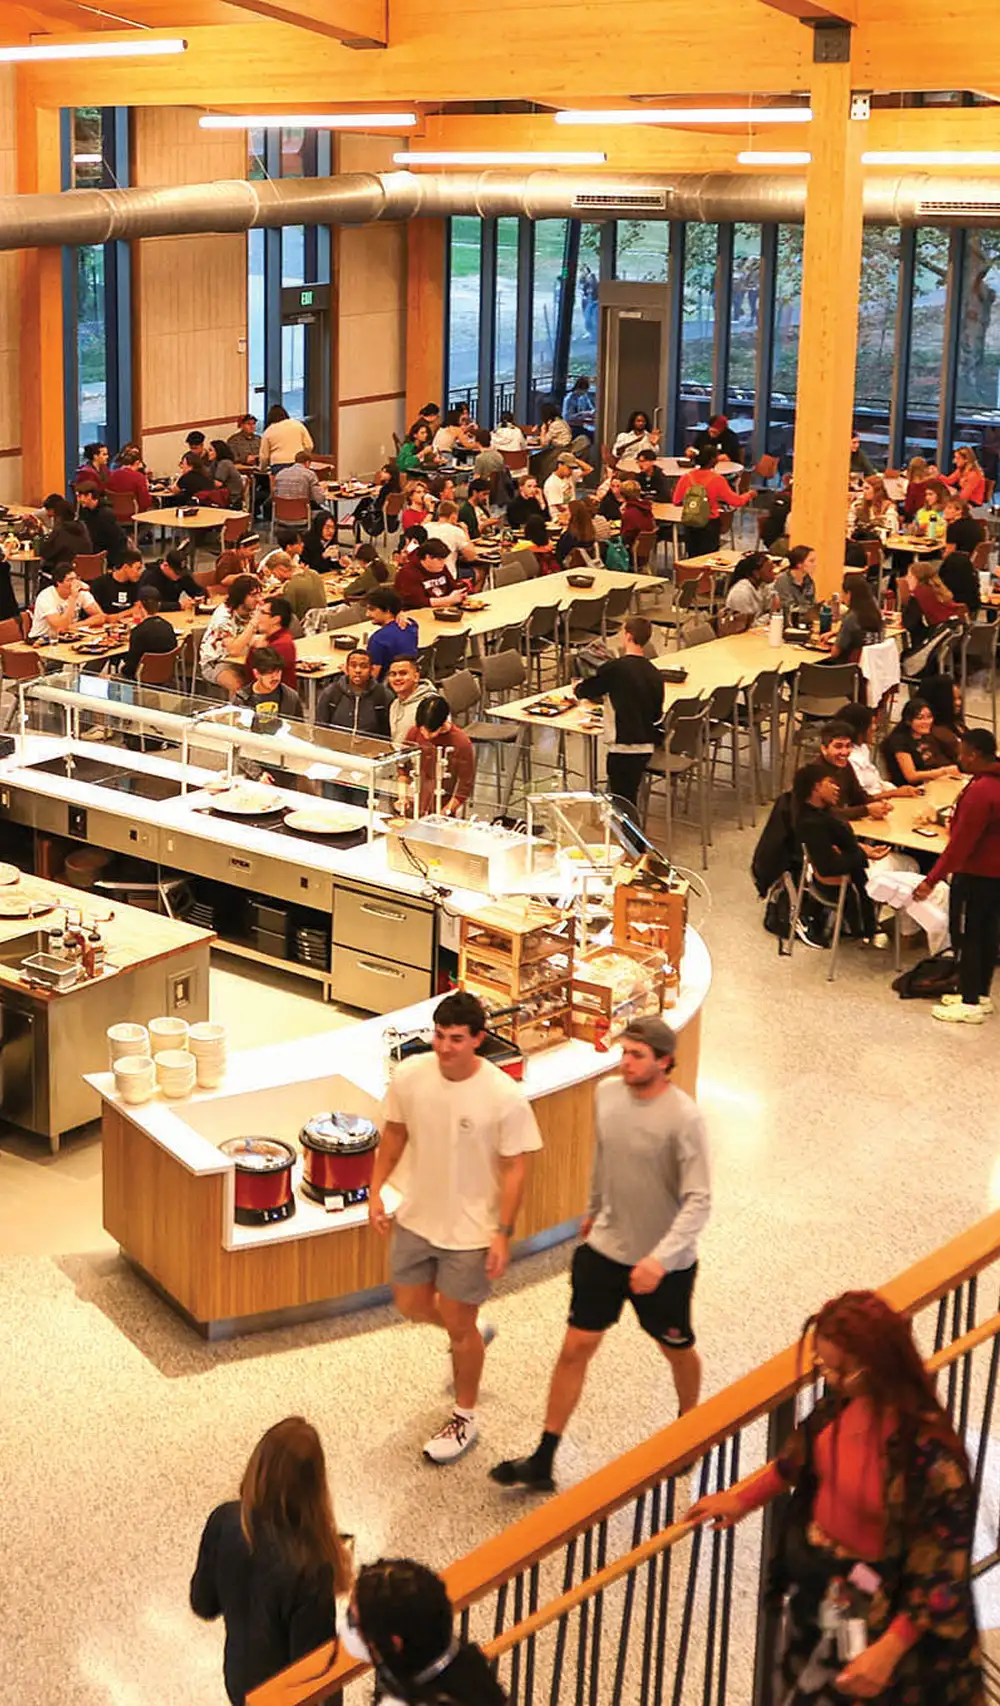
<point>201,521</point>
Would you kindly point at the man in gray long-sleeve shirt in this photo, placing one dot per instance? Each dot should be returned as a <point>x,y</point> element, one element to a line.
<point>650,1196</point>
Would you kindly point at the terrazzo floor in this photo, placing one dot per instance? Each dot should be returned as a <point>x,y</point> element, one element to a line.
<point>850,1136</point>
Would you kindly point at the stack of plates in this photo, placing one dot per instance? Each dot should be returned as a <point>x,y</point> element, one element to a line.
<point>312,948</point>
<point>126,1040</point>
<point>167,1033</point>
<point>208,1046</point>
<point>175,1072</point>
<point>135,1078</point>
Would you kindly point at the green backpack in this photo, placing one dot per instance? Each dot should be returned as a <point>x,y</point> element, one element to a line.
<point>616,556</point>
<point>696,511</point>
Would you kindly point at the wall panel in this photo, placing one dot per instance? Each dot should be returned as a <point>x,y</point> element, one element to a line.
<point>10,304</point>
<point>191,294</point>
<point>371,339</point>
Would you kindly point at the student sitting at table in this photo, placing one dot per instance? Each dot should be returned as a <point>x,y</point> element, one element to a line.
<point>507,435</point>
<point>538,540</point>
<point>560,487</point>
<point>195,477</point>
<point>300,481</point>
<point>963,531</point>
<point>290,543</point>
<point>609,497</point>
<point>230,635</point>
<point>427,583</point>
<point>99,519</point>
<point>910,753</point>
<point>152,633</point>
<point>834,851</point>
<point>529,502</point>
<point>129,476</point>
<point>860,720</point>
<point>930,516</point>
<point>702,493</point>
<point>241,559</point>
<point>304,589</point>
<point>461,550</point>
<point>355,701</point>
<point>456,434</point>
<point>795,585</point>
<point>862,622</point>
<point>371,572</point>
<point>93,470</point>
<point>174,586</point>
<point>67,537</point>
<point>275,630</point>
<point>944,696</point>
<point>639,434</point>
<point>720,437</point>
<point>836,743</point>
<point>225,472</point>
<point>474,513</point>
<point>244,444</point>
<point>419,506</point>
<point>967,476</point>
<point>578,535</point>
<point>117,589</point>
<point>861,463</point>
<point>959,577</point>
<point>872,513</point>
<point>637,514</point>
<point>61,607</point>
<point>931,597</point>
<point>408,687</point>
<point>650,479</point>
<point>489,462</point>
<point>392,638</point>
<point>415,451</point>
<point>746,595</point>
<point>320,550</point>
<point>918,473</point>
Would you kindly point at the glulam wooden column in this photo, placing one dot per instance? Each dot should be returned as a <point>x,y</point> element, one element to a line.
<point>828,334</point>
<point>426,276</point>
<point>41,310</point>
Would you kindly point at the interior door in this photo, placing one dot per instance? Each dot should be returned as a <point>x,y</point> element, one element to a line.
<point>634,355</point>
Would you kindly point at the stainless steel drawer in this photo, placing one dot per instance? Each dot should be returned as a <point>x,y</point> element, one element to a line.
<point>263,874</point>
<point>376,985</point>
<point>121,835</point>
<point>383,924</point>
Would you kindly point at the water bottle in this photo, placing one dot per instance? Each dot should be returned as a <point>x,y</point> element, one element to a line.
<point>776,626</point>
<point>825,618</point>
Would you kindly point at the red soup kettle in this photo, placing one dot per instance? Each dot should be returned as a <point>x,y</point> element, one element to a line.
<point>263,1179</point>
<point>339,1158</point>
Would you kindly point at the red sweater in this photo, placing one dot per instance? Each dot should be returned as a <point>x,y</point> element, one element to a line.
<point>131,480</point>
<point>417,589</point>
<point>284,645</point>
<point>974,843</point>
<point>935,610</point>
<point>458,776</point>
<point>971,485</point>
<point>719,491</point>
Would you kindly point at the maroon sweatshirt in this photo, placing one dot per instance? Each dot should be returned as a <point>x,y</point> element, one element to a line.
<point>974,843</point>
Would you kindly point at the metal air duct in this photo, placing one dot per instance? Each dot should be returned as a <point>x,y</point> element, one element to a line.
<point>359,198</point>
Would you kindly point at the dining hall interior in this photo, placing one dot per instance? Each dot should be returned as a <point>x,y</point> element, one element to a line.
<point>385,390</point>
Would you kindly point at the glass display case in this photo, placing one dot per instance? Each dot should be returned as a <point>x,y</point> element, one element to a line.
<point>518,958</point>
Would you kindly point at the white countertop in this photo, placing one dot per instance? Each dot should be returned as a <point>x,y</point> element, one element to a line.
<point>273,1090</point>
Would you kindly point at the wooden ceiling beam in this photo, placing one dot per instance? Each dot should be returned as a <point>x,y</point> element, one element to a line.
<point>813,12</point>
<point>358,23</point>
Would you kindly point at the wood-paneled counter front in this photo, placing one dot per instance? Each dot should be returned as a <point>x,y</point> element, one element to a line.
<point>169,1191</point>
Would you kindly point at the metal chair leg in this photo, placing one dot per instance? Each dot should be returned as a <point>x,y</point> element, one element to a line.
<point>837,926</point>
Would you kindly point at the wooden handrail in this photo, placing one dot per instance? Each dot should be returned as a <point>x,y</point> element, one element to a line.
<point>665,1453</point>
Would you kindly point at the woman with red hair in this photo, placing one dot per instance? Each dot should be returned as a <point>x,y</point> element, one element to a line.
<point>874,1566</point>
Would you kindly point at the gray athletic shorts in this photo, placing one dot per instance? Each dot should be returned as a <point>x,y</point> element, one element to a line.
<point>458,1274</point>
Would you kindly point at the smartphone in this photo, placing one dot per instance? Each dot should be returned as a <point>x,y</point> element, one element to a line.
<point>925,829</point>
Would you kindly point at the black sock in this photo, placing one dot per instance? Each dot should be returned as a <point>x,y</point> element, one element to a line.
<point>544,1453</point>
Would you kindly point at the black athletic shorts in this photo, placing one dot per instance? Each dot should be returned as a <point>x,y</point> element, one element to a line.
<point>601,1289</point>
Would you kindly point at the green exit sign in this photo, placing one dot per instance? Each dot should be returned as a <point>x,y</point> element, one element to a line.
<point>305,298</point>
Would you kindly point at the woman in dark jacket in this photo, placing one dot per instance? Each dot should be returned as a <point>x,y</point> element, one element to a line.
<point>67,539</point>
<point>579,533</point>
<point>880,1526</point>
<point>271,1562</point>
<point>401,1621</point>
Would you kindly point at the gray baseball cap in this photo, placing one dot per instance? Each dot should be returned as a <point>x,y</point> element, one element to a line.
<point>654,1033</point>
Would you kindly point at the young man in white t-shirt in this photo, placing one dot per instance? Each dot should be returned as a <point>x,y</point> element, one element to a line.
<point>448,528</point>
<point>466,1128</point>
<point>59,607</point>
<point>559,489</point>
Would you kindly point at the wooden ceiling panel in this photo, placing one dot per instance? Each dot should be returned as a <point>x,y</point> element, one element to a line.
<point>358,22</point>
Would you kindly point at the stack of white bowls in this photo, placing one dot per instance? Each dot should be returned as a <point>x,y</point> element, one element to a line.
<point>175,1071</point>
<point>126,1039</point>
<point>135,1078</point>
<point>167,1034</point>
<point>207,1043</point>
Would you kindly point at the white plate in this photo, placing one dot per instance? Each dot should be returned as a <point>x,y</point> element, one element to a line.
<point>317,822</point>
<point>15,906</point>
<point>239,803</point>
<point>9,874</point>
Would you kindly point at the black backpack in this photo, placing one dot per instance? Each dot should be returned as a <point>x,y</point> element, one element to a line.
<point>929,979</point>
<point>778,849</point>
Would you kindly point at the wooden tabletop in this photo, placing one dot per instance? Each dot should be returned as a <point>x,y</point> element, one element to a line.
<point>65,652</point>
<point>897,830</point>
<point>904,542</point>
<point>203,518</point>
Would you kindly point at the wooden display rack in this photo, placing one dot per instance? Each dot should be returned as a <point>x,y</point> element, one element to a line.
<point>651,915</point>
<point>594,1006</point>
<point>507,954</point>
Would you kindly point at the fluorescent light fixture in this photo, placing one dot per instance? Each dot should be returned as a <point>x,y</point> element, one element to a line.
<point>501,157</point>
<point>307,121</point>
<point>772,157</point>
<point>931,157</point>
<point>687,115</point>
<point>141,47</point>
<point>88,159</point>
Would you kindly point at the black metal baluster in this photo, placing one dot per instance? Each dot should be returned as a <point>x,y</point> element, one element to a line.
<point>647,1646</point>
<point>595,1640</point>
<point>689,1592</point>
<point>560,1650</point>
<point>713,1584</point>
<point>942,1317</point>
<point>727,1578</point>
<point>627,1604</point>
<point>956,1329</point>
<point>584,1628</point>
<point>515,1657</point>
<point>779,1426</point>
<point>529,1657</point>
<point>664,1606</point>
<point>463,1625</point>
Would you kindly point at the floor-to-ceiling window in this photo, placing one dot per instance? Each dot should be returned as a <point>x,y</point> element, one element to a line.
<point>977,385</point>
<point>877,304</point>
<point>785,350</point>
<point>927,322</point>
<point>701,244</point>
<point>256,305</point>
<point>744,319</point>
<point>551,240</point>
<point>505,316</point>
<point>96,286</point>
<point>641,250</point>
<point>464,262</point>
<point>288,350</point>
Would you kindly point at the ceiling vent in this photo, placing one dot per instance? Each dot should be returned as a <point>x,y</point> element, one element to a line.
<point>622,201</point>
<point>957,211</point>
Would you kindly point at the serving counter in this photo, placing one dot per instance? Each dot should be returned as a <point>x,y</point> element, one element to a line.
<point>49,1038</point>
<point>169,1192</point>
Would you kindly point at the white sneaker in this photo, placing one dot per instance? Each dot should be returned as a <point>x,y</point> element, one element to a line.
<point>453,1440</point>
<point>985,1002</point>
<point>879,940</point>
<point>960,1014</point>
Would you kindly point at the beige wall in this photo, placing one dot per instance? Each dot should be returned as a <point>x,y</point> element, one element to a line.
<point>370,361</point>
<point>10,272</point>
<point>190,294</point>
